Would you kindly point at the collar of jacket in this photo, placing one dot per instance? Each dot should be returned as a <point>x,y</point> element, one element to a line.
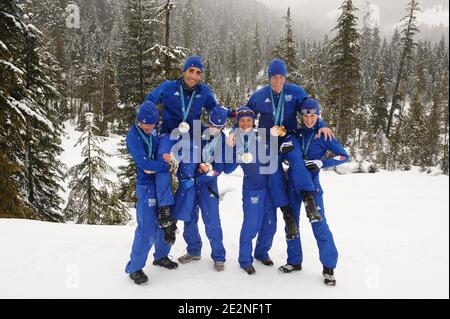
<point>187,88</point>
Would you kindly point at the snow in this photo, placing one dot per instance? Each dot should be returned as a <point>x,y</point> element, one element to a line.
<point>435,16</point>
<point>12,66</point>
<point>17,23</point>
<point>391,230</point>
<point>26,109</point>
<point>3,46</point>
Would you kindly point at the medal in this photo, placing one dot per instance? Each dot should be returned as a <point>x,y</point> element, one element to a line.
<point>281,131</point>
<point>278,130</point>
<point>184,127</point>
<point>247,158</point>
<point>274,131</point>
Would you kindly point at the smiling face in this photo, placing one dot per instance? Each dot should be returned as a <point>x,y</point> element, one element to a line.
<point>192,76</point>
<point>245,124</point>
<point>310,120</point>
<point>277,82</point>
<point>215,130</point>
<point>147,128</point>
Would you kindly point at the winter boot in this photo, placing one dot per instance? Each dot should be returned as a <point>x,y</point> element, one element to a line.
<point>311,208</point>
<point>219,266</point>
<point>291,226</point>
<point>139,277</point>
<point>329,280</point>
<point>288,268</point>
<point>186,259</point>
<point>266,262</point>
<point>166,263</point>
<point>250,270</point>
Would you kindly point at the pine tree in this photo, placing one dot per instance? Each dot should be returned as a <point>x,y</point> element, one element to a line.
<point>48,16</point>
<point>433,125</point>
<point>367,65</point>
<point>256,63</point>
<point>234,64</point>
<point>29,156</point>
<point>444,83</point>
<point>134,73</point>
<point>43,174</point>
<point>189,24</point>
<point>380,104</point>
<point>409,30</point>
<point>92,200</point>
<point>287,49</point>
<point>12,121</point>
<point>416,131</point>
<point>344,83</point>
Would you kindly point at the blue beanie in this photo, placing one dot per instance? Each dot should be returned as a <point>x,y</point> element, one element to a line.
<point>218,116</point>
<point>148,113</point>
<point>193,62</point>
<point>277,67</point>
<point>310,106</point>
<point>244,111</point>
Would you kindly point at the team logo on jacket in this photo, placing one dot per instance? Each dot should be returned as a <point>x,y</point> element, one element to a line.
<point>339,158</point>
<point>198,96</point>
<point>177,93</point>
<point>288,98</point>
<point>267,100</point>
<point>254,200</point>
<point>151,202</point>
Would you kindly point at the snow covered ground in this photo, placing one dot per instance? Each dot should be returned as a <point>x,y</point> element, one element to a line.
<point>391,229</point>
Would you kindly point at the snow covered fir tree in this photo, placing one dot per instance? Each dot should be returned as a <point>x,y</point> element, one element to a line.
<point>384,93</point>
<point>93,197</point>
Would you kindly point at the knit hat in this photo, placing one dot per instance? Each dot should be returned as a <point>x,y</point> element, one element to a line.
<point>218,116</point>
<point>148,113</point>
<point>277,67</point>
<point>310,106</point>
<point>193,62</point>
<point>244,111</point>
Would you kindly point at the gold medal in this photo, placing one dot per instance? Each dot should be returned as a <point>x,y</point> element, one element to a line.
<point>274,131</point>
<point>281,131</point>
<point>184,127</point>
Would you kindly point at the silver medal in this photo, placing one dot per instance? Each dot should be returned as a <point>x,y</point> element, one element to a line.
<point>184,127</point>
<point>247,158</point>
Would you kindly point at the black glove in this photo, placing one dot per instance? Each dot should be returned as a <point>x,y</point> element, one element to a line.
<point>314,166</point>
<point>286,147</point>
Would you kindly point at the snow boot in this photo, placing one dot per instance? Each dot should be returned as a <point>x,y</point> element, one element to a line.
<point>139,277</point>
<point>219,266</point>
<point>166,263</point>
<point>186,259</point>
<point>329,280</point>
<point>266,262</point>
<point>288,268</point>
<point>250,270</point>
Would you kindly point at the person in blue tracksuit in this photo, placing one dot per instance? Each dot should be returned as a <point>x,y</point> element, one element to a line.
<point>259,210</point>
<point>314,150</point>
<point>182,103</point>
<point>278,105</point>
<point>201,192</point>
<point>142,143</point>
